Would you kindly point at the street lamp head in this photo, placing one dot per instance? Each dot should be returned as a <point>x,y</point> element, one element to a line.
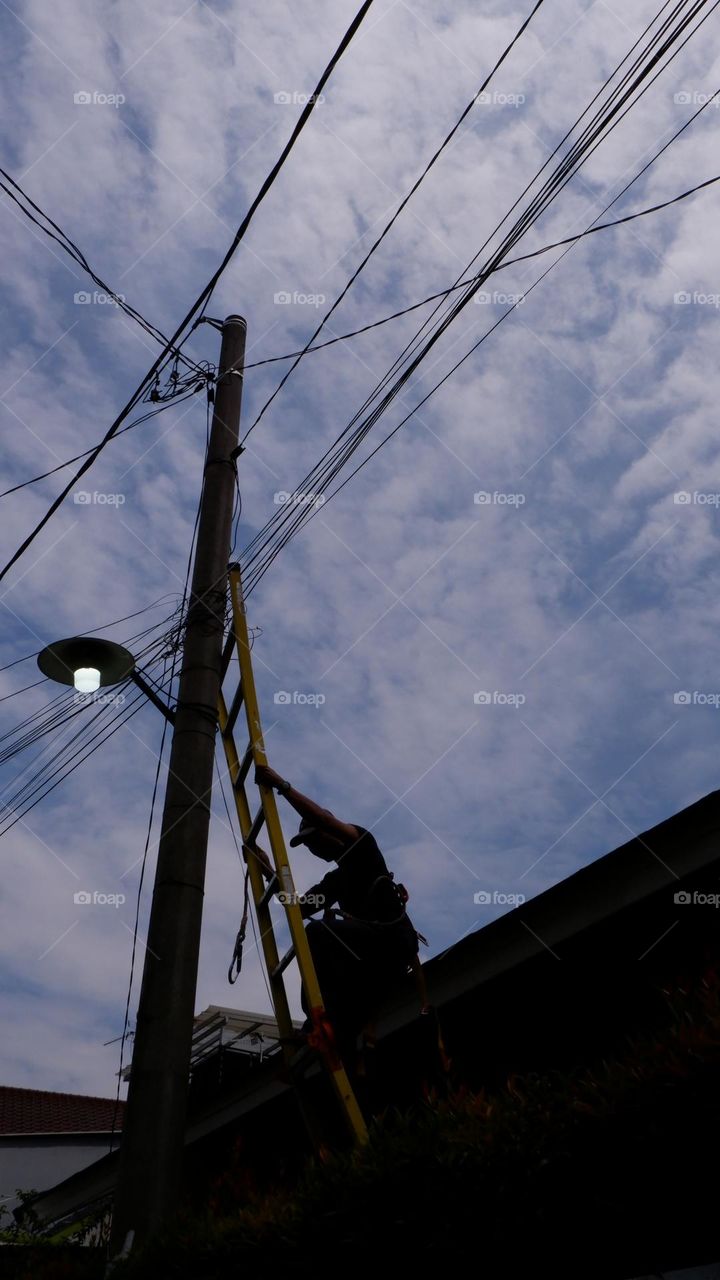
<point>86,662</point>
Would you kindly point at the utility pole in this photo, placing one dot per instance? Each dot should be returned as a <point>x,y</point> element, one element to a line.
<point>152,1145</point>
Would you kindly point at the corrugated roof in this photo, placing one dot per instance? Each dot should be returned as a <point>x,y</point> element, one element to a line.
<point>40,1111</point>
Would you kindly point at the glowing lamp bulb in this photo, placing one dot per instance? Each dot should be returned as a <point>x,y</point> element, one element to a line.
<point>87,679</point>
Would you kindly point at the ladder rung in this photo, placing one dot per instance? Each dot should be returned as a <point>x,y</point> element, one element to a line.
<point>282,966</point>
<point>257,825</point>
<point>270,890</point>
<point>244,769</point>
<point>234,710</point>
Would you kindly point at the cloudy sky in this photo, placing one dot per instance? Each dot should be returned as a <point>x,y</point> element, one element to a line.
<point>577,597</point>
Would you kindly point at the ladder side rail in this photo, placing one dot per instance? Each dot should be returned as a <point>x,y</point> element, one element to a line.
<point>267,795</point>
<point>257,883</point>
<point>308,975</point>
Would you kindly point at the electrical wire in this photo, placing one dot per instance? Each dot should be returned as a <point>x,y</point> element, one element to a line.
<point>551,188</point>
<point>85,741</point>
<point>569,242</point>
<point>444,293</point>
<point>63,709</point>
<point>309,484</point>
<point>604,121</point>
<point>69,461</point>
<point>396,215</point>
<point>592,133</point>
<point>174,344</point>
<point>70,248</point>
<point>12,809</point>
<point>562,175</point>
<point>25,688</point>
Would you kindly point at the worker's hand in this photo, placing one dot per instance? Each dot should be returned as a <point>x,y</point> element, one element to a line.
<point>267,777</point>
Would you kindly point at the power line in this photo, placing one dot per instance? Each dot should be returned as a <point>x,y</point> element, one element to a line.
<point>262,548</point>
<point>70,248</point>
<point>565,171</point>
<point>69,461</point>
<point>31,792</point>
<point>15,693</point>
<point>62,710</point>
<point>202,300</point>
<point>569,242</point>
<point>310,481</point>
<point>444,293</point>
<point>591,134</point>
<point>106,626</point>
<point>656,40</point>
<point>396,215</point>
<point>65,706</point>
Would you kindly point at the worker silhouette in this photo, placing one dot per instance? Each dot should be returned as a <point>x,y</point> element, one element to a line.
<point>369,940</point>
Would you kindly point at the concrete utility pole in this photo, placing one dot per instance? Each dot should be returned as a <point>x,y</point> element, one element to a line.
<point>154,1128</point>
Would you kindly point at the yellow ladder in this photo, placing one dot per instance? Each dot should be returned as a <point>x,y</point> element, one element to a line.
<point>267,877</point>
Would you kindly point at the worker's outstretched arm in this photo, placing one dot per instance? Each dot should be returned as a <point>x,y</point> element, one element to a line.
<point>303,805</point>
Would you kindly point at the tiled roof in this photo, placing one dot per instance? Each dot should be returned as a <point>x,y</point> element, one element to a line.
<point>39,1111</point>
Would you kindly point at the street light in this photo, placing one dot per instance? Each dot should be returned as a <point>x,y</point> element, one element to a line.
<point>87,680</point>
<point>86,662</point>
